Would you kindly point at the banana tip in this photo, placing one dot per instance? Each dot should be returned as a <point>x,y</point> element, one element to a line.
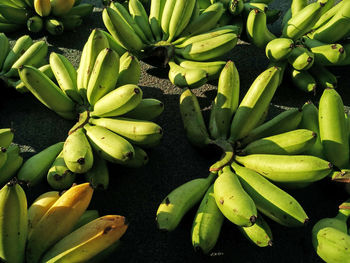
<point>252,219</point>
<point>306,221</point>
<point>270,243</point>
<point>3,149</point>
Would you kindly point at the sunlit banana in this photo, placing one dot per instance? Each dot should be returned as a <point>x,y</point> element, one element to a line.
<point>6,137</point>
<point>184,77</point>
<point>236,7</point>
<point>42,7</point>
<point>328,55</point>
<point>54,26</point>
<point>129,70</point>
<point>328,15</point>
<point>138,13</point>
<point>297,5</point>
<point>13,162</point>
<point>279,48</point>
<point>35,24</point>
<point>155,17</point>
<point>61,7</point>
<point>147,109</point>
<point>301,58</point>
<point>98,175</point>
<point>114,44</point>
<point>166,17</point>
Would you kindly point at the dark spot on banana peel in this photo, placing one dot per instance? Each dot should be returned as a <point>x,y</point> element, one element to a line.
<point>341,50</point>
<point>57,177</point>
<point>81,161</point>
<point>137,91</point>
<point>221,201</point>
<point>309,59</point>
<point>292,45</point>
<point>3,149</point>
<point>258,242</point>
<point>160,131</point>
<point>252,219</point>
<point>107,229</point>
<point>129,155</point>
<point>306,221</point>
<point>314,134</point>
<point>330,165</point>
<point>167,201</point>
<point>322,4</point>
<point>334,46</point>
<point>256,11</point>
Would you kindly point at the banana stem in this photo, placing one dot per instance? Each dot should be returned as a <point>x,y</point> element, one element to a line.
<point>159,54</point>
<point>344,210</point>
<point>83,119</point>
<point>227,157</point>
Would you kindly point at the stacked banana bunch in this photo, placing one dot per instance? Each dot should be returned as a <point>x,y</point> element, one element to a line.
<point>114,120</point>
<point>54,16</point>
<point>292,150</point>
<point>177,33</point>
<point>56,227</point>
<point>331,237</point>
<point>10,158</point>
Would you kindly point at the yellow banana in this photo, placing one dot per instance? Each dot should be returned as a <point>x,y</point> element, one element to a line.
<point>147,109</point>
<point>42,7</point>
<point>61,7</point>
<point>155,17</point>
<point>138,13</point>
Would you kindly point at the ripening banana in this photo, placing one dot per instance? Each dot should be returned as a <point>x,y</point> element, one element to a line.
<point>226,102</point>
<point>13,223</point>
<point>87,217</point>
<point>186,77</point>
<point>192,119</point>
<point>61,7</point>
<point>88,240</point>
<point>303,80</point>
<point>54,26</point>
<point>109,145</point>
<point>104,75</point>
<point>155,18</point>
<point>144,133</point>
<point>13,162</point>
<point>324,78</point>
<point>287,168</point>
<point>270,199</point>
<point>58,221</point>
<point>176,204</point>
<point>35,24</point>
<point>42,7</point>
<point>254,103</point>
<point>6,137</point>
<point>333,130</point>
<point>66,76</point>
<point>301,58</point>
<point>138,13</point>
<point>235,204</point>
<point>207,223</point>
<point>147,109</point>
<point>15,15</point>
<point>118,101</point>
<point>59,177</point>
<point>98,175</point>
<point>129,70</point>
<point>35,168</point>
<point>279,49</point>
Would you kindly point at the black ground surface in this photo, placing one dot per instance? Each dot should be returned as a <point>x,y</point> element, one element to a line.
<point>137,193</point>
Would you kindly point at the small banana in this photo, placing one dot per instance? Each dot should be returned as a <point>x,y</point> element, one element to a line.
<point>6,137</point>
<point>13,162</point>
<point>129,70</point>
<point>61,7</point>
<point>166,17</point>
<point>54,26</point>
<point>301,58</point>
<point>279,49</point>
<point>236,7</point>
<point>35,24</point>
<point>155,18</point>
<point>138,13</point>
<point>175,205</point>
<point>184,77</point>
<point>147,109</point>
<point>42,7</point>
<point>98,175</point>
<point>303,80</point>
<point>328,15</point>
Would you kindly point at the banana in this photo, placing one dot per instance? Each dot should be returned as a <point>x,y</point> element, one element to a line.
<point>87,217</point>
<point>143,133</point>
<point>8,27</point>
<point>184,77</point>
<point>129,70</point>
<point>4,50</point>
<point>226,102</point>
<point>254,103</point>
<point>118,101</point>
<point>259,234</point>
<point>270,200</point>
<point>35,168</point>
<point>287,168</point>
<point>236,7</point>
<point>59,177</point>
<point>301,58</point>
<point>29,3</point>
<point>155,17</point>
<point>207,223</point>
<point>13,222</point>
<point>61,7</point>
<point>6,137</point>
<point>138,13</point>
<point>89,240</point>
<point>109,145</point>
<point>303,80</point>
<point>66,76</point>
<point>286,121</point>
<point>35,24</point>
<point>297,5</point>
<point>106,253</point>
<point>192,118</point>
<point>31,57</point>
<point>335,141</point>
<point>39,207</point>
<point>13,162</point>
<point>324,78</point>
<point>71,22</point>
<point>247,7</point>
<point>81,10</point>
<point>104,75</point>
<point>114,44</point>
<point>180,200</point>
<point>286,17</point>
<point>234,203</point>
<point>310,121</point>
<point>42,7</point>
<point>206,21</point>
<point>96,42</point>
<point>303,21</point>
<point>98,175</point>
<point>45,90</point>
<point>279,49</point>
<point>140,158</point>
<point>256,29</point>
<point>209,49</point>
<point>54,26</point>
<point>147,109</point>
<point>15,15</point>
<point>227,155</point>
<point>328,15</point>
<point>3,156</point>
<point>168,9</point>
<point>328,55</point>
<point>58,221</point>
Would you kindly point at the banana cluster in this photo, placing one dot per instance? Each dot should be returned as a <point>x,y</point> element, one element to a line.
<point>54,16</point>
<point>180,33</point>
<point>56,227</point>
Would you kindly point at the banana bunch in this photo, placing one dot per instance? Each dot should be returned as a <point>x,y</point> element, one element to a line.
<point>54,16</point>
<point>179,33</point>
<point>115,121</point>
<point>55,227</point>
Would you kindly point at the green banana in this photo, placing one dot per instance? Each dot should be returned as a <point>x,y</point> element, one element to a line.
<point>297,5</point>
<point>270,200</point>
<point>226,157</point>
<point>87,217</point>
<point>129,70</point>
<point>287,168</point>
<point>66,76</point>
<point>303,80</point>
<point>140,158</point>
<point>234,203</point>
<point>3,156</point>
<point>35,24</point>
<point>207,223</point>
<point>286,17</point>
<point>13,221</point>
<point>254,103</point>
<point>109,145</point>
<point>35,168</point>
<point>118,101</point>
<point>81,10</point>
<point>5,50</point>
<point>8,27</point>
<point>186,77</point>
<point>54,26</point>
<point>155,17</point>
<point>98,175</point>
<point>6,137</point>
<point>226,102</point>
<point>192,119</point>
<point>236,7</point>
<point>13,162</point>
<point>15,15</point>
<point>247,7</point>
<point>147,109</point>
<point>328,15</point>
<point>301,58</point>
<point>104,75</point>
<point>71,22</point>
<point>176,204</point>
<point>59,177</point>
<point>138,13</point>
<point>144,133</point>
<point>279,49</point>
<point>335,141</point>
<point>288,143</point>
<point>328,55</point>
<point>168,9</point>
<point>324,78</point>
<point>114,44</point>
